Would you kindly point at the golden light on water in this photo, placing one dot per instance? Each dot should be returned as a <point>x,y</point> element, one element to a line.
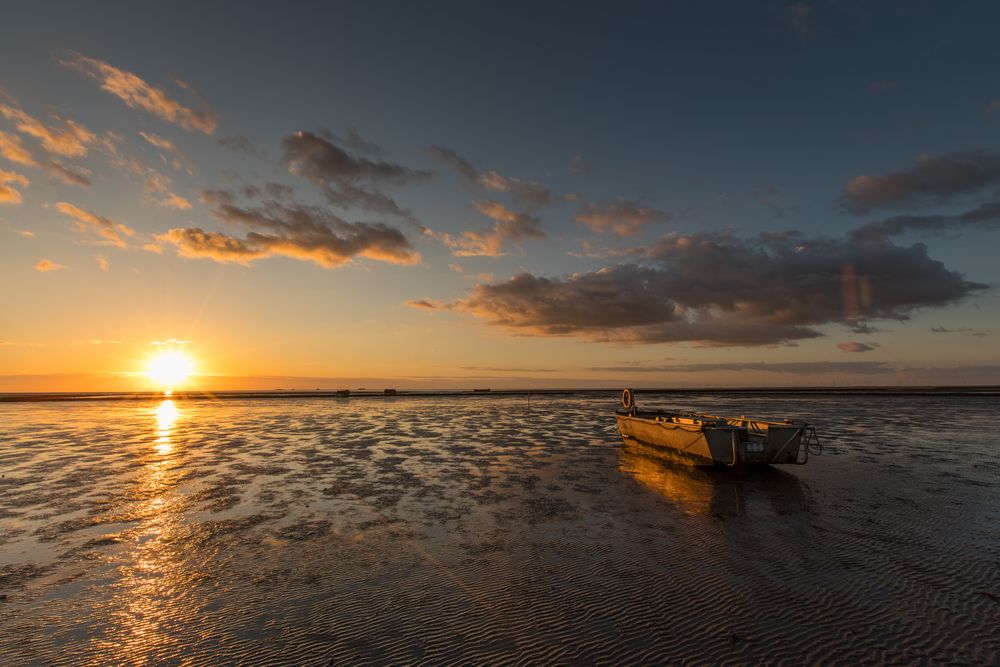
<point>166,415</point>
<point>170,369</point>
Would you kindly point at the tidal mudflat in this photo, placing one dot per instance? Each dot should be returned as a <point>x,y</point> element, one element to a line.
<point>489,529</point>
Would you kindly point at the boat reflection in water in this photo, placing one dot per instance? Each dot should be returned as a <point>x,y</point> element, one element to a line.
<point>711,490</point>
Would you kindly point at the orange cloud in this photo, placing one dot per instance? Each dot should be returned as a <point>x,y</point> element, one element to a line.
<point>196,243</point>
<point>46,265</point>
<point>620,217</point>
<point>105,227</point>
<point>103,262</point>
<point>152,180</point>
<point>12,149</point>
<point>309,233</point>
<point>175,201</point>
<point>71,140</point>
<point>510,226</point>
<point>177,159</point>
<point>138,94</point>
<point>8,195</point>
<point>158,141</point>
<point>529,193</point>
<point>325,249</point>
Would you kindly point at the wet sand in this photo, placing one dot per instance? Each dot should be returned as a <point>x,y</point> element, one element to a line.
<point>489,529</point>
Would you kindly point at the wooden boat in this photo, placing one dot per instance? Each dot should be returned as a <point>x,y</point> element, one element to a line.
<point>730,441</point>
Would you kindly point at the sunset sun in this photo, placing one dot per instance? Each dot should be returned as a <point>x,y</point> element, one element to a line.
<point>170,369</point>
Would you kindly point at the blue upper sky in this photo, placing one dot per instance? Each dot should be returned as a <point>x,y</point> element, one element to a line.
<point>568,192</point>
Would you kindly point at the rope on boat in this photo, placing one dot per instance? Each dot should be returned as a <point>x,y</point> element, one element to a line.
<point>812,444</point>
<point>811,440</point>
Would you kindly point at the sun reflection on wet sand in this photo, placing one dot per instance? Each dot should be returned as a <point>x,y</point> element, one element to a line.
<point>166,416</point>
<point>146,593</point>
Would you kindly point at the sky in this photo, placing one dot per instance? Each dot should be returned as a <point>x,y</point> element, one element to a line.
<point>459,195</point>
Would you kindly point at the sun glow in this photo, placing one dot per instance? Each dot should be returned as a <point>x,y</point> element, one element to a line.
<point>170,369</point>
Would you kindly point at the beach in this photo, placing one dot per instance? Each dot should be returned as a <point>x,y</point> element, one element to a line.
<point>493,529</point>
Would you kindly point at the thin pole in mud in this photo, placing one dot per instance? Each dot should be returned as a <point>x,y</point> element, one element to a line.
<point>529,399</point>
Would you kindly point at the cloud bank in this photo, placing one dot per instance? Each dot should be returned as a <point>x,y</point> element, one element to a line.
<point>721,290</point>
<point>931,179</point>
<point>789,367</point>
<point>985,217</point>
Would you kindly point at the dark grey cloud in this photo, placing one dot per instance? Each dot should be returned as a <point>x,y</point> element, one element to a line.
<point>721,290</point>
<point>67,174</point>
<point>529,194</point>
<point>931,179</point>
<point>792,367</point>
<point>272,189</point>
<point>962,330</point>
<point>347,172</point>
<point>347,196</point>
<point>278,190</point>
<point>320,160</point>
<point>863,328</point>
<point>985,217</point>
<point>357,143</point>
<point>454,161</point>
<point>427,304</point>
<point>302,232</point>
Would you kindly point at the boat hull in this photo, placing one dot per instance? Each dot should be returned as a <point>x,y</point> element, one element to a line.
<point>716,440</point>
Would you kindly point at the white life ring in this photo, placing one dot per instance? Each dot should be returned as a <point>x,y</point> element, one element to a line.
<point>628,399</point>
